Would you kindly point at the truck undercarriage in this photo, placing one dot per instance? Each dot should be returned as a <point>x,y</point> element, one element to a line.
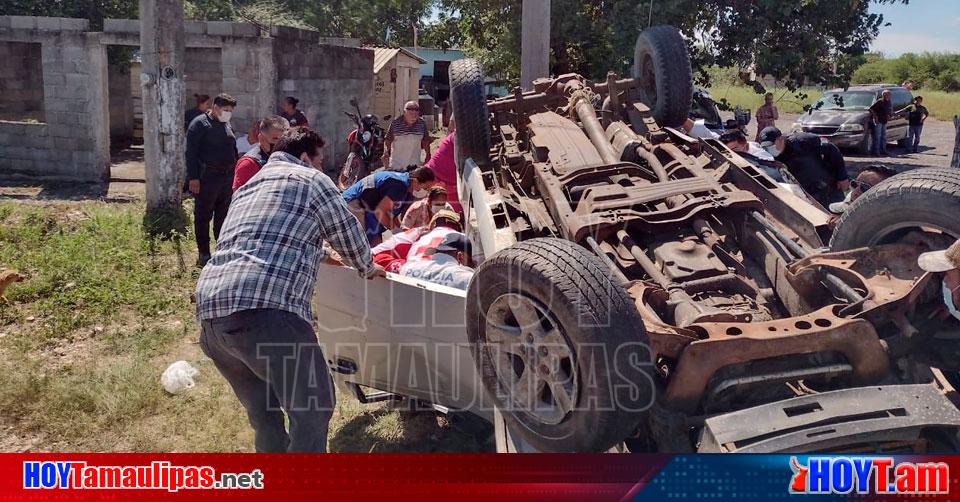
<point>757,336</point>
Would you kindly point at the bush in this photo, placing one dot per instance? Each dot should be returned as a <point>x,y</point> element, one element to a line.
<point>931,70</point>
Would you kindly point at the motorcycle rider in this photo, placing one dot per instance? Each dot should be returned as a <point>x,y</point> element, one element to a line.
<point>816,164</point>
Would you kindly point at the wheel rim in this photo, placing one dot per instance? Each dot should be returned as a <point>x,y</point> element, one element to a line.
<point>533,361</point>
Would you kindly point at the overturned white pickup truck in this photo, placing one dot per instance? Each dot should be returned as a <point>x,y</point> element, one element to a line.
<point>641,290</point>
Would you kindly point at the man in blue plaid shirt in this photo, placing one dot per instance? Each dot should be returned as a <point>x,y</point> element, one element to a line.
<point>254,295</point>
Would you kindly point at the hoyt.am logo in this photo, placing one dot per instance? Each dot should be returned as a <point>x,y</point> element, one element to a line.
<point>880,475</point>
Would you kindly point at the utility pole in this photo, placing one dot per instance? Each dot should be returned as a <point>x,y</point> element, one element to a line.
<point>162,51</point>
<point>534,41</point>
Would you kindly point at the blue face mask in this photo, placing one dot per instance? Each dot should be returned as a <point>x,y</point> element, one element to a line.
<point>948,300</point>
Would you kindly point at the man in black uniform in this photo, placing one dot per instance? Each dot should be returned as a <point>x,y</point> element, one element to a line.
<point>817,165</point>
<point>211,155</point>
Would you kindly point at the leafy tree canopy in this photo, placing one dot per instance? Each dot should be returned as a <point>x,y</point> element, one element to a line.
<point>822,41</point>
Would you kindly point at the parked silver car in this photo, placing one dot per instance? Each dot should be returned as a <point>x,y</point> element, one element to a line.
<point>842,117</point>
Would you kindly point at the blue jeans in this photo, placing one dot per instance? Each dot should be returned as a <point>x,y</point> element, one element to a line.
<point>913,137</point>
<point>274,364</point>
<point>879,139</point>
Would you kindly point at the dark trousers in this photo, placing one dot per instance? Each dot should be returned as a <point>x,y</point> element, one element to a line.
<point>216,190</point>
<point>272,360</point>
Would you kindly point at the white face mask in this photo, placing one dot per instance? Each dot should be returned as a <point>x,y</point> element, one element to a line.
<point>948,300</point>
<point>225,116</point>
<point>773,150</point>
<point>421,193</point>
<point>436,207</point>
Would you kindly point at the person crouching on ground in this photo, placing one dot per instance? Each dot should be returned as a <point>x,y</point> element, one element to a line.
<point>377,199</point>
<point>269,132</point>
<point>422,211</point>
<point>254,296</point>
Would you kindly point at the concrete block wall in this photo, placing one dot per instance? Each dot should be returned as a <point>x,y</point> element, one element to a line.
<point>121,101</point>
<point>249,76</point>
<point>73,140</point>
<point>21,81</point>
<point>202,73</point>
<point>324,78</point>
<point>69,143</point>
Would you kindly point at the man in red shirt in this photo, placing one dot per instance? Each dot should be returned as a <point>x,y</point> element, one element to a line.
<point>271,128</point>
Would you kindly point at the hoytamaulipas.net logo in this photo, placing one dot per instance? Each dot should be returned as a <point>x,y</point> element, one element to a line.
<point>879,475</point>
<point>159,475</point>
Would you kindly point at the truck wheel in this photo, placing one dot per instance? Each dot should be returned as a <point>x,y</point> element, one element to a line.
<point>560,346</point>
<point>661,62</point>
<point>472,120</point>
<point>922,200</point>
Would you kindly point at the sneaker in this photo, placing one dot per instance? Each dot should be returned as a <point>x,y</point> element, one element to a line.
<point>202,260</point>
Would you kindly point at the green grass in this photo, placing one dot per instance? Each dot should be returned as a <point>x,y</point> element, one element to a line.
<point>110,311</point>
<point>787,102</point>
<point>942,105</point>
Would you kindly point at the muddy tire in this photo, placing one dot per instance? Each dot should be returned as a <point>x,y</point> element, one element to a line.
<point>560,346</point>
<point>662,63</point>
<point>926,200</point>
<point>470,113</point>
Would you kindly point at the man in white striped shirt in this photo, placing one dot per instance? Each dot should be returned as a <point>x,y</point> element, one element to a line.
<point>406,137</point>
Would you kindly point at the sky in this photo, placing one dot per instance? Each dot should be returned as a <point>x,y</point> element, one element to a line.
<point>922,25</point>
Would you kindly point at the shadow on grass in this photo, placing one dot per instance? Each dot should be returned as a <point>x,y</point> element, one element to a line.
<point>387,430</point>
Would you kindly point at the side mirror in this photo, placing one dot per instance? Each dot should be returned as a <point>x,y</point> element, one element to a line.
<point>353,102</point>
<point>386,118</point>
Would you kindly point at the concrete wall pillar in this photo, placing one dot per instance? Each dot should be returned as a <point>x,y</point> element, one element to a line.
<point>534,41</point>
<point>98,103</point>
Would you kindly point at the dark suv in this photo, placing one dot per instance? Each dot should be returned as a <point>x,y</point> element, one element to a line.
<point>842,117</point>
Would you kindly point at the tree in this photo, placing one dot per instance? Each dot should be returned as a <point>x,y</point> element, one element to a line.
<point>375,22</point>
<point>827,39</point>
<point>94,10</point>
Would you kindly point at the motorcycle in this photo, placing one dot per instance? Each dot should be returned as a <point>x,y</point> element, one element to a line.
<point>366,146</point>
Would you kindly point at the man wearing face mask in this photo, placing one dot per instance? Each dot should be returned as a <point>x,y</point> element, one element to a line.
<point>271,128</point>
<point>254,296</point>
<point>377,199</point>
<point>946,261</point>
<point>816,164</point>
<point>211,155</point>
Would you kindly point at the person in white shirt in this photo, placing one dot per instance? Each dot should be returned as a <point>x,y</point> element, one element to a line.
<point>698,129</point>
<point>406,138</point>
<point>446,263</point>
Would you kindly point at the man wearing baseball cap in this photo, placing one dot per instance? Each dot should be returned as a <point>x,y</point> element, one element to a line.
<point>818,165</point>
<point>946,261</point>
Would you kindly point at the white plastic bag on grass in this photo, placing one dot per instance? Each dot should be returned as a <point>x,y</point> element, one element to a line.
<point>178,377</point>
